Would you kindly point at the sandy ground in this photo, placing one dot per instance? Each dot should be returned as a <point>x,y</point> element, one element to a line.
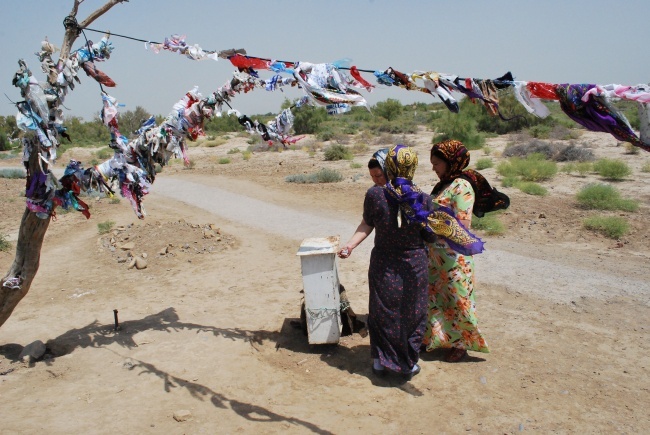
<point>207,329</point>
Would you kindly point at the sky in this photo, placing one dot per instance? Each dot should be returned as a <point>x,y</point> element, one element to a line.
<point>556,41</point>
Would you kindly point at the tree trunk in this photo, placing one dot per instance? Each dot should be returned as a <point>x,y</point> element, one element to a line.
<point>15,285</point>
<point>28,249</point>
<point>25,265</point>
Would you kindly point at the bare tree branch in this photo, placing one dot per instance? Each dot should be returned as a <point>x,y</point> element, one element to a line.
<point>71,34</point>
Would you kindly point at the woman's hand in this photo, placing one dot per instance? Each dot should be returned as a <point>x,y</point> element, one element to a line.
<point>345,252</point>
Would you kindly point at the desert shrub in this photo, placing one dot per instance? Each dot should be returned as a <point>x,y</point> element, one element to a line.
<point>114,200</point>
<point>567,168</point>
<point>246,155</point>
<point>307,119</point>
<point>104,153</point>
<point>612,169</point>
<point>338,152</point>
<point>613,227</point>
<point>223,124</point>
<point>326,134</point>
<point>5,245</point>
<point>574,153</point>
<point>561,132</point>
<point>328,176</point>
<point>489,223</point>
<point>604,197</point>
<point>509,181</point>
<point>631,149</point>
<point>359,148</point>
<point>533,168</point>
<point>324,175</point>
<point>531,188</point>
<point>583,168</point>
<point>389,109</point>
<point>105,227</point>
<point>12,173</point>
<point>487,150</point>
<point>355,165</point>
<point>214,142</point>
<point>533,147</point>
<point>253,140</point>
<point>394,127</point>
<point>540,131</point>
<point>645,167</point>
<point>459,128</point>
<point>484,164</point>
<point>224,160</point>
<point>233,151</point>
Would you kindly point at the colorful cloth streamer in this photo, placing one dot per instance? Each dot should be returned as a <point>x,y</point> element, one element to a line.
<point>596,114</point>
<point>176,43</point>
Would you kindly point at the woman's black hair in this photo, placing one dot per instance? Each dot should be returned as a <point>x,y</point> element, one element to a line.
<point>374,163</point>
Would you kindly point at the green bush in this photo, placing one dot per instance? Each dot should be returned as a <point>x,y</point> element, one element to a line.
<point>612,169</point>
<point>540,131</point>
<point>645,167</point>
<point>307,119</point>
<point>105,227</point>
<point>510,181</point>
<point>338,152</point>
<point>604,197</point>
<point>567,168</point>
<point>454,126</point>
<point>355,165</point>
<point>104,153</point>
<point>583,168</point>
<point>114,200</point>
<point>532,188</point>
<point>12,173</point>
<point>224,161</point>
<point>389,109</point>
<point>613,227</point>
<point>324,175</point>
<point>484,164</point>
<point>246,155</point>
<point>489,223</point>
<point>533,168</point>
<point>631,149</point>
<point>4,243</point>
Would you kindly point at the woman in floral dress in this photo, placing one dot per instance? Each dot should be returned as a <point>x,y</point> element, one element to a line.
<point>452,319</point>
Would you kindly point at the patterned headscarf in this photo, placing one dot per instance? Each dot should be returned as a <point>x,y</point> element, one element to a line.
<point>457,157</point>
<point>400,168</point>
<point>380,157</point>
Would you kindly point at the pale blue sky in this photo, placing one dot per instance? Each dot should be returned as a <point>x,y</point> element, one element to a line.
<point>557,41</point>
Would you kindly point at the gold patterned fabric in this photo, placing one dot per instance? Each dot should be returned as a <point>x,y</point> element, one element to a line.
<point>401,162</point>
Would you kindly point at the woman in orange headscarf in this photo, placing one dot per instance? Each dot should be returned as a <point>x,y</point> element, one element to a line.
<point>452,319</point>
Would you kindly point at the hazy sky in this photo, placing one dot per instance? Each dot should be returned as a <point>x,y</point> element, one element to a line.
<point>557,41</point>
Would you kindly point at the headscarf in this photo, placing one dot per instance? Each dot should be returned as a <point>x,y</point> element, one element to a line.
<point>401,162</point>
<point>457,157</point>
<point>380,156</point>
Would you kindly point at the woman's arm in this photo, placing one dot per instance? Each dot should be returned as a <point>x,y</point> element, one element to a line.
<point>363,231</point>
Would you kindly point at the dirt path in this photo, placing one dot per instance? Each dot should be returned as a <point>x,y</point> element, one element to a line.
<point>547,276</point>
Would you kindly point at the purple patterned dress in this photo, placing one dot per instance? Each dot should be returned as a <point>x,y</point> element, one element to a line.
<point>398,279</point>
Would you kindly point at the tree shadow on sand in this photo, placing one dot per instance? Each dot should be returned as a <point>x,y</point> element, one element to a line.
<point>96,335</point>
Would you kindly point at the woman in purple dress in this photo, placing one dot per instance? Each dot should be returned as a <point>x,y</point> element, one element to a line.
<point>397,278</point>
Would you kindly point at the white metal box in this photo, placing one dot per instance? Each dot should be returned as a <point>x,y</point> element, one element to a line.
<point>321,286</point>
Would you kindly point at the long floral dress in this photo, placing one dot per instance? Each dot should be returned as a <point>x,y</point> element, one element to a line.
<point>452,311</point>
<point>397,277</point>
